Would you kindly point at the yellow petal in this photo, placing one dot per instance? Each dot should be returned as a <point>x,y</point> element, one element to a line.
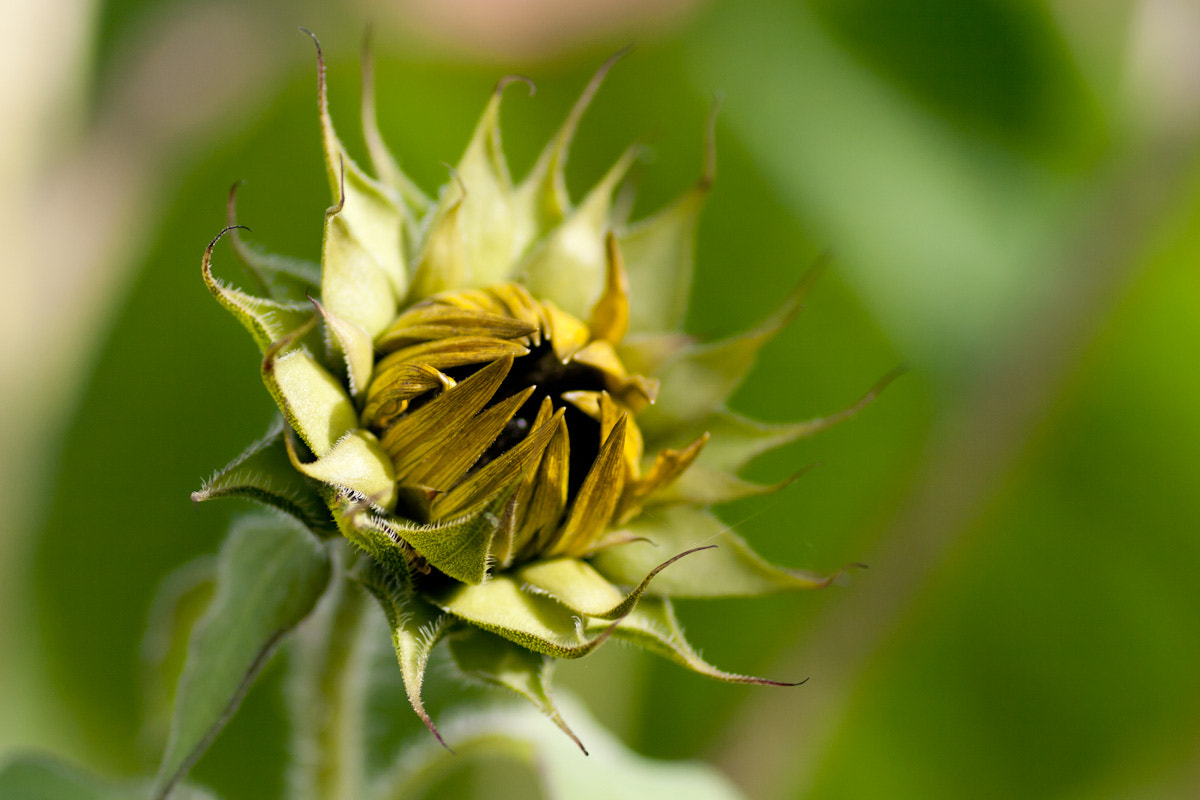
<point>436,321</point>
<point>453,351</point>
<point>597,498</point>
<point>610,315</point>
<point>419,434</point>
<point>462,449</point>
<point>499,474</point>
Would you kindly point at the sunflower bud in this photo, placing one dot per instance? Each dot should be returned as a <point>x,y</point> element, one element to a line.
<point>493,401</point>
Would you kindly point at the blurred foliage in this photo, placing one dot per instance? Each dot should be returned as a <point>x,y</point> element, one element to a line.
<point>946,153</point>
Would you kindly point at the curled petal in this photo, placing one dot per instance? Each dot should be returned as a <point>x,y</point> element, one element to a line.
<point>597,498</point>
<point>266,320</point>
<point>610,315</point>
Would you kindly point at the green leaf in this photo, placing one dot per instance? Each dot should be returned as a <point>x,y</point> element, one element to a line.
<point>416,628</point>
<point>700,378</point>
<point>36,777</point>
<point>731,569</point>
<point>570,264</point>
<point>264,474</point>
<point>363,275</point>
<point>532,621</point>
<point>611,772</point>
<point>736,440</point>
<point>653,625</point>
<point>491,659</point>
<point>701,486</point>
<point>659,253</point>
<point>354,345</point>
<point>329,661</point>
<point>178,605</point>
<point>270,574</point>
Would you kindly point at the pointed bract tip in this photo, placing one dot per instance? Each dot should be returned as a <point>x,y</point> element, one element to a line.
<point>769,682</point>
<point>814,272</point>
<point>508,80</point>
<point>710,142</point>
<point>316,41</point>
<point>224,231</point>
<point>562,726</point>
<point>433,729</point>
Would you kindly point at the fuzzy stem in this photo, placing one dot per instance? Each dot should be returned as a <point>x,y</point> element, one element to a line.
<point>327,693</point>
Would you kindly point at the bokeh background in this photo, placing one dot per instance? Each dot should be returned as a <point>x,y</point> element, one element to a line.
<point>1010,190</point>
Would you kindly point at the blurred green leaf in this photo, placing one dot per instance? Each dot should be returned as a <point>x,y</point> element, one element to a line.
<point>41,778</point>
<point>609,772</point>
<point>947,236</point>
<point>270,574</point>
<point>177,608</point>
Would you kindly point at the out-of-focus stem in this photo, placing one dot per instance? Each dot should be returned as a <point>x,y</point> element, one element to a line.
<point>327,694</point>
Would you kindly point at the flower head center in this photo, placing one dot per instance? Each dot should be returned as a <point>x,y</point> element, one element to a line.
<point>551,379</point>
<point>486,395</point>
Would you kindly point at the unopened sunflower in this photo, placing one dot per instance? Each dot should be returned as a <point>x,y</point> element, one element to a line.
<point>493,401</point>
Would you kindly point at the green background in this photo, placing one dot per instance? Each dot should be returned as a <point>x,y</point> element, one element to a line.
<point>1012,199</point>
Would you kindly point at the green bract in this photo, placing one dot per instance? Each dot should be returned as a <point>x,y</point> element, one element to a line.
<point>493,401</point>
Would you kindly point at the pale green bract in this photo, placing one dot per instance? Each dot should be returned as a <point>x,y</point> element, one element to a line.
<point>426,308</point>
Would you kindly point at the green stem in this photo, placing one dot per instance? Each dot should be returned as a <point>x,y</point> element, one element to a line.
<point>327,693</point>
